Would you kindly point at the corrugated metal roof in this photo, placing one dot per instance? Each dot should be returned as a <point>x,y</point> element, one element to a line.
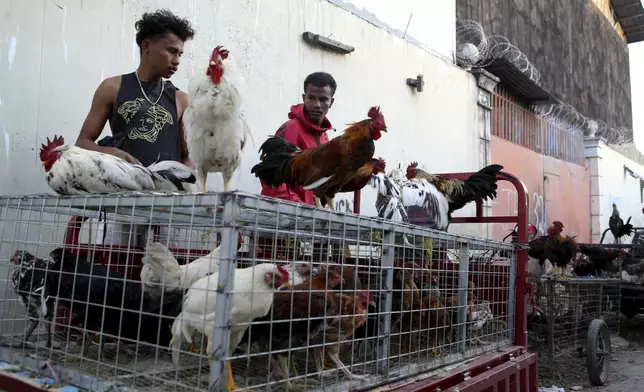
<point>630,15</point>
<point>518,83</point>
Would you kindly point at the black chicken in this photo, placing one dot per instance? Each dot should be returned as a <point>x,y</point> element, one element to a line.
<point>105,302</point>
<point>28,282</point>
<point>617,226</point>
<point>601,258</point>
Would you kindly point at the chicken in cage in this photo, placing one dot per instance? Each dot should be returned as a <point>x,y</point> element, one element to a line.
<point>266,304</point>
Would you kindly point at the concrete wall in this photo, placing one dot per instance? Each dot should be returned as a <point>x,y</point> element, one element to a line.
<point>557,190</point>
<point>582,59</point>
<point>612,183</point>
<point>414,20</point>
<point>53,55</point>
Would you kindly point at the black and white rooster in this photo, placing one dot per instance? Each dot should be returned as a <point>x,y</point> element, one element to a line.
<point>29,281</point>
<point>73,170</point>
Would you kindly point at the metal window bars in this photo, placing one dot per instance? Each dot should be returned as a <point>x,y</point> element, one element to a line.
<point>372,302</point>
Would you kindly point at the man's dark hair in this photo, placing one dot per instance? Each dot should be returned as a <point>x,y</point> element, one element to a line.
<point>321,79</point>
<point>158,24</point>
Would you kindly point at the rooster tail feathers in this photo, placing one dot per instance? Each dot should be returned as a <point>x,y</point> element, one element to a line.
<point>626,229</point>
<point>246,132</point>
<point>178,329</point>
<point>479,186</point>
<point>275,158</point>
<point>483,183</point>
<point>168,265</point>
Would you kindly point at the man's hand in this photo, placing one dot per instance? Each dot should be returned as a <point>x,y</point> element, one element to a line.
<point>121,154</point>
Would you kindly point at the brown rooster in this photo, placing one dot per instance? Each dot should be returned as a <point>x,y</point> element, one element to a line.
<point>324,169</point>
<point>558,248</point>
<point>308,304</point>
<point>479,186</point>
<point>439,321</point>
<point>340,327</point>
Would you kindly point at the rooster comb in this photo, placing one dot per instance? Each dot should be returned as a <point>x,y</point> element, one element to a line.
<point>220,51</point>
<point>377,119</point>
<point>51,144</point>
<point>412,166</point>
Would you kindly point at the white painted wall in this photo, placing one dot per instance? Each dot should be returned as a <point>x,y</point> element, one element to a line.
<point>610,183</point>
<point>53,55</point>
<point>428,23</point>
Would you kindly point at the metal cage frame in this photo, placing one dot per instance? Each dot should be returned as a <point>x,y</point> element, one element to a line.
<point>230,208</point>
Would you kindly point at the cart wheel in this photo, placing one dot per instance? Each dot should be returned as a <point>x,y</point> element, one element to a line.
<point>598,352</point>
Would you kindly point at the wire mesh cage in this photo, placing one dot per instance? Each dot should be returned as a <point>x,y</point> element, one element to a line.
<point>562,330</point>
<point>235,291</point>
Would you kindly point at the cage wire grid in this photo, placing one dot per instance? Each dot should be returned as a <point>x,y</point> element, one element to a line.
<point>369,301</point>
<point>560,334</point>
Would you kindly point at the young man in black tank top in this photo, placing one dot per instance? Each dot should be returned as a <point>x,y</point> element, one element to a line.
<point>145,113</point>
<point>142,109</point>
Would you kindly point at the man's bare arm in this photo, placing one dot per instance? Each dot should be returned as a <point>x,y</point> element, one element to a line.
<point>182,104</point>
<point>99,112</point>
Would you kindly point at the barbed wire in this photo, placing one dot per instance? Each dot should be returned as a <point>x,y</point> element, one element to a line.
<point>474,49</point>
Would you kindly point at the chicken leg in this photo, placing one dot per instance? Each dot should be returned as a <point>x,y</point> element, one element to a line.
<point>563,273</point>
<point>331,204</point>
<point>195,349</point>
<point>230,381</point>
<point>203,178</point>
<point>436,350</point>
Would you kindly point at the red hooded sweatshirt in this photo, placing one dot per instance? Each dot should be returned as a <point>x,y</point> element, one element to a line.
<point>300,131</point>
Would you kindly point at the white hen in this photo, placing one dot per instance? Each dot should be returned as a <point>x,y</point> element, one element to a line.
<point>73,170</point>
<point>162,272</point>
<point>252,298</point>
<point>214,122</point>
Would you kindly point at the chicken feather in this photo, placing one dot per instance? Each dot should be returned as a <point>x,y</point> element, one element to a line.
<point>73,170</point>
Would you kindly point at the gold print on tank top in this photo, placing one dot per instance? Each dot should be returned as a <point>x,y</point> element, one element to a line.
<point>149,125</point>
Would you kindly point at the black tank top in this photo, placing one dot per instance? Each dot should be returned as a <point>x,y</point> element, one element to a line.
<point>152,131</point>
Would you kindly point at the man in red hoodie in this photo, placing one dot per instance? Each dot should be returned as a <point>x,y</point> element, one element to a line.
<point>306,128</point>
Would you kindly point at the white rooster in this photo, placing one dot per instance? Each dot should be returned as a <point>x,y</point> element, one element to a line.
<point>214,122</point>
<point>252,298</point>
<point>73,170</point>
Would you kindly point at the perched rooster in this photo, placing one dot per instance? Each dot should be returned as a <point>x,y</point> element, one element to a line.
<point>559,249</point>
<point>479,186</point>
<point>327,168</point>
<point>617,226</point>
<point>199,307</point>
<point>214,122</point>
<point>73,170</point>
